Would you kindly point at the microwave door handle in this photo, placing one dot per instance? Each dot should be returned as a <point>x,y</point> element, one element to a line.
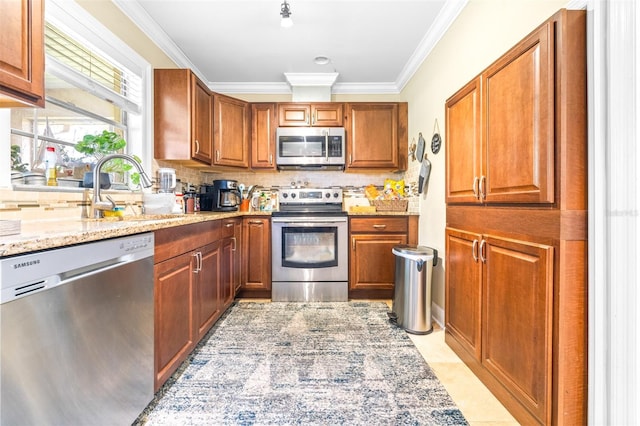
<point>326,145</point>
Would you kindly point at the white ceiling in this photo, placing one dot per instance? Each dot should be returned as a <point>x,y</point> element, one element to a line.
<point>238,46</point>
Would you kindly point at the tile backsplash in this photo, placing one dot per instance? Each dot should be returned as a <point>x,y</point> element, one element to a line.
<point>45,203</point>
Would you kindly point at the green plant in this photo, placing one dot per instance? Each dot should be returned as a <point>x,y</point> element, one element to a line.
<point>105,143</point>
<point>16,160</point>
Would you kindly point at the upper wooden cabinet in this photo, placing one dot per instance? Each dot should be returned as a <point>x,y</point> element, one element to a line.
<point>230,131</point>
<point>464,144</point>
<point>263,136</point>
<point>327,114</point>
<point>183,128</point>
<point>376,135</point>
<point>500,128</point>
<point>22,53</point>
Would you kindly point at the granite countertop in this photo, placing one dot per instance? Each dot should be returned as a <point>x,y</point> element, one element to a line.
<point>51,233</point>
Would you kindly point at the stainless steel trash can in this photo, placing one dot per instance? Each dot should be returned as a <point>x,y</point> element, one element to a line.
<point>411,307</point>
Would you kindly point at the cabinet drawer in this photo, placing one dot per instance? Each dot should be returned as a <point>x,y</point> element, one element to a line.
<point>379,224</point>
<point>174,241</point>
<point>227,228</point>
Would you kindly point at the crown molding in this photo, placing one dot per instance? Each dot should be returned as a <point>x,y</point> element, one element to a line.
<point>441,24</point>
<point>311,78</point>
<point>250,87</point>
<point>445,18</point>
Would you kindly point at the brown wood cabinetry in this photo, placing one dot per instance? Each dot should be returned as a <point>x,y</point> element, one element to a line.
<point>230,274</point>
<point>500,128</point>
<point>256,252</point>
<point>327,114</point>
<point>371,263</point>
<point>230,131</point>
<point>515,295</point>
<point>22,53</point>
<point>498,308</point>
<point>183,126</point>
<point>376,136</point>
<point>263,136</point>
<point>187,303</point>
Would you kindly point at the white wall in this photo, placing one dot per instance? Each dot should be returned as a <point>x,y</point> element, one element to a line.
<point>483,31</point>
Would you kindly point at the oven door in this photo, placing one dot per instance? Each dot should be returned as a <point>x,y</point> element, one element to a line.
<point>307,249</point>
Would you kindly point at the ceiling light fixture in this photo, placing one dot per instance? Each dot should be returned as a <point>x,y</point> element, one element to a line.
<point>285,12</point>
<point>321,60</point>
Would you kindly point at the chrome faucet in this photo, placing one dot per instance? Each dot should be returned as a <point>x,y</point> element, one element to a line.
<point>98,205</point>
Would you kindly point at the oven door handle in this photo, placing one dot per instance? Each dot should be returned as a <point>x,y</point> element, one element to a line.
<point>308,221</point>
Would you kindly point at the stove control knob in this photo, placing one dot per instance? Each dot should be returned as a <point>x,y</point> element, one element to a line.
<point>285,195</point>
<point>327,195</point>
<point>293,195</point>
<point>336,195</point>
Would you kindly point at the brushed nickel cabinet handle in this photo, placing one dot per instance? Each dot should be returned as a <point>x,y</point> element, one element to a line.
<point>475,187</point>
<point>483,257</point>
<point>255,222</point>
<point>270,158</point>
<point>474,250</point>
<point>217,155</point>
<point>235,244</point>
<point>379,226</point>
<point>198,256</point>
<point>482,187</point>
<point>353,244</point>
<point>228,225</point>
<point>197,147</point>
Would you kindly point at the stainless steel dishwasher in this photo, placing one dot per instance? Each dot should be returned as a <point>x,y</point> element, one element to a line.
<point>76,334</point>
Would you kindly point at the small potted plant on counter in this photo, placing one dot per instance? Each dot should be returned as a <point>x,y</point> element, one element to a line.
<point>98,146</point>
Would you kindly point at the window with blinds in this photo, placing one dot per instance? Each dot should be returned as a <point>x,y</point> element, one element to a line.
<point>86,92</point>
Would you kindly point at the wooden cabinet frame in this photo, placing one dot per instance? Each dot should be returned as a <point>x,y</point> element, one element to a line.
<point>529,345</point>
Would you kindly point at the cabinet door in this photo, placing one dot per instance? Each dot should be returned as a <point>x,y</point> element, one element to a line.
<point>464,144</point>
<point>517,326</point>
<point>183,127</point>
<point>519,115</point>
<point>237,255</point>
<point>294,114</point>
<point>263,136</point>
<point>175,331</point>
<point>230,131</point>
<point>327,115</point>
<point>22,53</point>
<point>208,287</point>
<point>256,246</point>
<point>202,141</point>
<point>463,289</point>
<point>227,285</point>
<point>372,265</point>
<point>372,136</point>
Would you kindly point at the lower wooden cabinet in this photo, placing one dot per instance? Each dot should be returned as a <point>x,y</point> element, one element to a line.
<point>256,252</point>
<point>230,252</point>
<point>463,301</point>
<point>499,309</point>
<point>208,270</point>
<point>187,291</point>
<point>175,329</point>
<point>371,262</point>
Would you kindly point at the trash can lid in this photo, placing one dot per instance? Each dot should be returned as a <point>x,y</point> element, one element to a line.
<point>413,252</point>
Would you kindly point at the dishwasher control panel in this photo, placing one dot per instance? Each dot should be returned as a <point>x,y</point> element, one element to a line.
<point>26,274</point>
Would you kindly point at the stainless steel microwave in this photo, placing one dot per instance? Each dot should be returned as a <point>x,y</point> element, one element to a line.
<point>310,148</point>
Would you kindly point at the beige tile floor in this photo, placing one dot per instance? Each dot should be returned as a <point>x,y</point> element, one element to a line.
<point>477,404</point>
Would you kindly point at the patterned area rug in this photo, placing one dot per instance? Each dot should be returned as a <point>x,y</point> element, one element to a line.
<point>304,364</point>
